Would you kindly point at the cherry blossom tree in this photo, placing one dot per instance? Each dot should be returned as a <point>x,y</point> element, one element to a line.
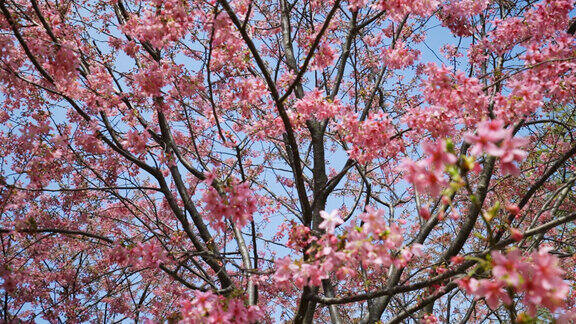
<point>218,161</point>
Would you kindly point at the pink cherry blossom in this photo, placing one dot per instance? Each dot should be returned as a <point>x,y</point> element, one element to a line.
<point>536,277</point>
<point>494,293</point>
<point>512,153</point>
<point>237,204</point>
<point>330,220</point>
<point>429,319</point>
<point>261,161</point>
<point>315,105</point>
<point>488,135</point>
<point>493,139</point>
<point>425,179</point>
<point>400,56</point>
<point>211,308</point>
<point>438,154</point>
<point>516,235</point>
<point>507,268</point>
<point>324,57</point>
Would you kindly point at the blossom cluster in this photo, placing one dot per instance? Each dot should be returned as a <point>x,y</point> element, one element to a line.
<point>536,277</point>
<point>228,49</point>
<point>456,15</point>
<point>427,175</point>
<point>371,244</point>
<point>152,78</point>
<point>141,255</point>
<point>429,319</point>
<point>314,105</point>
<point>542,21</point>
<point>492,138</point>
<point>454,98</point>
<point>399,8</point>
<point>372,138</point>
<point>137,141</point>
<point>160,25</point>
<point>250,92</point>
<point>400,56</point>
<point>63,63</point>
<point>237,203</point>
<point>458,93</point>
<point>207,307</point>
<point>324,57</point>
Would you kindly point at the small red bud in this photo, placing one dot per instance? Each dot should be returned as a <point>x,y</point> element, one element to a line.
<point>424,212</point>
<point>513,209</point>
<point>516,234</point>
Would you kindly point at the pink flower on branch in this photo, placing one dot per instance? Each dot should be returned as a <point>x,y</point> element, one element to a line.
<point>330,220</point>
<point>492,138</point>
<point>237,204</point>
<point>425,179</point>
<point>112,111</point>
<point>373,244</point>
<point>438,155</point>
<point>487,137</point>
<point>427,175</point>
<point>494,292</point>
<point>536,277</point>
